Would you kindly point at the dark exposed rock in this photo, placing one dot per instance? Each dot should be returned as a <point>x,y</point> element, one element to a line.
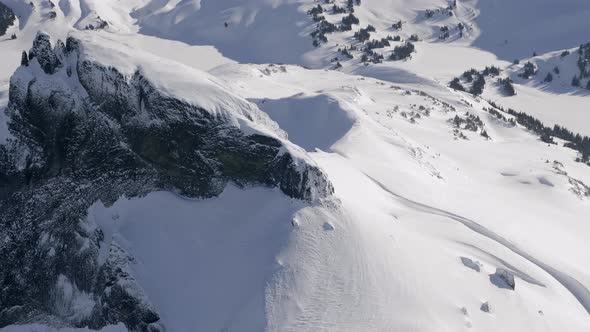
<point>486,307</point>
<point>503,279</point>
<point>45,55</point>
<point>7,18</point>
<point>120,137</point>
<point>474,265</point>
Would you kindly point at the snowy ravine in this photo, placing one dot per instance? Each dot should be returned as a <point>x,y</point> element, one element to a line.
<point>254,165</point>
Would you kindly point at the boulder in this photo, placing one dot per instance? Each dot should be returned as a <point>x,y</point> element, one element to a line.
<point>503,278</point>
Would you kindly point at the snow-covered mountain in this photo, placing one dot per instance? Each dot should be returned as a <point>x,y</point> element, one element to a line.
<point>294,165</point>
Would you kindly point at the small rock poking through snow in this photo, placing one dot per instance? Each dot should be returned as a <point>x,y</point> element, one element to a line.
<point>328,227</point>
<point>464,311</point>
<point>486,307</point>
<point>503,278</point>
<point>474,265</point>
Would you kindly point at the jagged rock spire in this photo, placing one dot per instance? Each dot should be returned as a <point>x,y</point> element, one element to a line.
<point>44,53</point>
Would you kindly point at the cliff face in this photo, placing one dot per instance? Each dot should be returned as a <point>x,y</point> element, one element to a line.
<point>85,131</point>
<point>7,18</point>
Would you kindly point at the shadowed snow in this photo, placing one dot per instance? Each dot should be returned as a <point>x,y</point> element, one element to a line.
<point>310,121</point>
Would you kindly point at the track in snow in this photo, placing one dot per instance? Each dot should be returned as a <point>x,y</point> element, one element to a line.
<point>576,288</point>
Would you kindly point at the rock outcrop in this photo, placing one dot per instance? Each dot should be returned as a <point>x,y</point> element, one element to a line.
<point>7,18</point>
<point>83,132</point>
<point>503,278</point>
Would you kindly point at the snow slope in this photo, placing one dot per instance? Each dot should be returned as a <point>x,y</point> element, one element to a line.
<point>516,29</point>
<point>398,158</point>
<point>312,122</point>
<point>257,31</point>
<point>555,101</point>
<point>385,254</point>
<point>216,256</point>
<point>424,212</point>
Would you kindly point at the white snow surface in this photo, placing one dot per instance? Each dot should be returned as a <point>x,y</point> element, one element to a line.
<point>412,198</point>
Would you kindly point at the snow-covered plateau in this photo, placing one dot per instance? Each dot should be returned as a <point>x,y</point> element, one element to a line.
<point>294,165</point>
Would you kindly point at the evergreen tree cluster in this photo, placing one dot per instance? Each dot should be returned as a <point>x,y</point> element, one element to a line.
<point>397,25</point>
<point>102,24</point>
<point>468,75</point>
<point>477,80</point>
<point>529,71</point>
<point>445,33</point>
<point>470,122</point>
<point>346,52</point>
<point>499,115</point>
<point>364,34</point>
<point>348,21</point>
<point>491,71</point>
<point>583,65</point>
<point>576,81</point>
<point>317,10</point>
<point>478,85</point>
<point>338,10</point>
<point>324,27</point>
<point>548,78</point>
<point>371,56</point>
<point>402,52</point>
<point>574,141</point>
<point>507,86</point>
<point>584,60</point>
<point>461,27</point>
<point>373,44</point>
<point>456,84</point>
<point>448,11</point>
<point>350,5</point>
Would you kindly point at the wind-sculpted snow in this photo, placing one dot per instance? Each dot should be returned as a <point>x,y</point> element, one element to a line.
<point>575,287</point>
<point>404,135</point>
